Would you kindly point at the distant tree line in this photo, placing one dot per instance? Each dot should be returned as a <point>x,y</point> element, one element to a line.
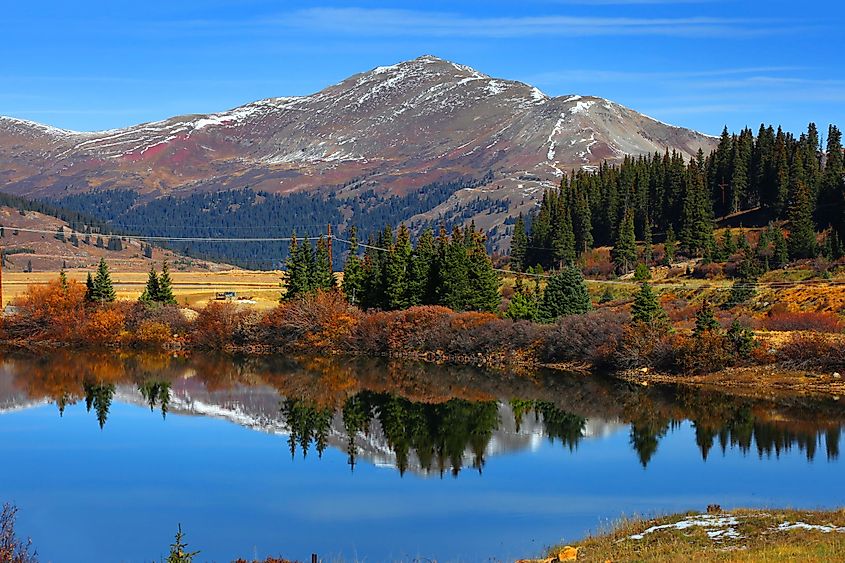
<point>249,213</point>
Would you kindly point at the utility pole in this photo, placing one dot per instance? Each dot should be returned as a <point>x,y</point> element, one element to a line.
<point>331,262</point>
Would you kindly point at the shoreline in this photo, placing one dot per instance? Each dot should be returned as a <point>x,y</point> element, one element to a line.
<point>754,381</point>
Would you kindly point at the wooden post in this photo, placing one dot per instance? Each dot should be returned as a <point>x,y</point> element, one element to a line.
<point>331,262</point>
<point>313,558</point>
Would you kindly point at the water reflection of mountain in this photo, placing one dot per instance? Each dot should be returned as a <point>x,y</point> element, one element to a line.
<point>416,417</point>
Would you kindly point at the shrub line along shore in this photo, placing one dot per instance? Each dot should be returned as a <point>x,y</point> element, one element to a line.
<point>638,345</point>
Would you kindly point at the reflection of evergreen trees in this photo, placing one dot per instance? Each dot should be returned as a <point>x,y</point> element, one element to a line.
<point>307,424</point>
<point>99,396</point>
<point>438,434</point>
<point>156,392</point>
<point>558,424</point>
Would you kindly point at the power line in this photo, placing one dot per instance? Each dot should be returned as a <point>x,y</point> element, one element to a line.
<point>175,239</point>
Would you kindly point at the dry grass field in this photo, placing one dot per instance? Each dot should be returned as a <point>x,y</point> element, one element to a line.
<point>190,288</point>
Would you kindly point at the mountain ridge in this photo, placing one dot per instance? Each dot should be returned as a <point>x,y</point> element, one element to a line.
<point>392,129</point>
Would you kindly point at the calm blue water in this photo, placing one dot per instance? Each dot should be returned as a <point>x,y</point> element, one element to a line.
<point>220,464</point>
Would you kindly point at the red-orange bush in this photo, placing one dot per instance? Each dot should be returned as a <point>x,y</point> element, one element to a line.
<point>151,333</point>
<point>813,351</point>
<point>216,325</point>
<point>323,319</point>
<point>809,321</point>
<point>103,325</point>
<point>48,312</point>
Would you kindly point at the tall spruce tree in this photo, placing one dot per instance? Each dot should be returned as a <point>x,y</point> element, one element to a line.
<point>103,290</point>
<point>565,294</point>
<point>165,286</point>
<point>454,287</point>
<point>519,245</point>
<point>483,279</point>
<point>624,251</point>
<point>397,271</point>
<point>646,308</point>
<point>322,274</point>
<point>421,285</point>
<point>150,294</point>
<point>802,234</point>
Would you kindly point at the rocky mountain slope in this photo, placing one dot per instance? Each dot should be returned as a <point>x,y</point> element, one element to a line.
<point>395,128</point>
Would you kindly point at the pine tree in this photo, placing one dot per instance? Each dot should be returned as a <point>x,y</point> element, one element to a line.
<point>299,268</point>
<point>421,286</point>
<point>165,286</point>
<point>483,279</point>
<point>89,288</point>
<point>397,271</point>
<point>453,287</point>
<point>151,291</point>
<point>563,239</point>
<point>697,215</point>
<point>321,272</point>
<point>103,290</point>
<point>648,245</point>
<point>524,304</point>
<point>519,246</point>
<point>832,188</point>
<point>705,321</point>
<point>780,252</point>
<point>624,251</point>
<point>802,234</point>
<point>565,294</point>
<point>179,550</point>
<point>646,308</point>
<point>353,271</point>
<point>63,283</point>
<point>669,247</point>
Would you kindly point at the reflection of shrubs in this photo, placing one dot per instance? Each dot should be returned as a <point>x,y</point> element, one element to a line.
<point>589,337</point>
<point>13,549</point>
<point>811,321</point>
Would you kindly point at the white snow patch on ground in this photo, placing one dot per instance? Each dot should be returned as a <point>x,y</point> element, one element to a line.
<point>722,526</point>
<point>538,96</point>
<point>551,140</point>
<point>572,99</point>
<point>786,526</point>
<point>581,107</point>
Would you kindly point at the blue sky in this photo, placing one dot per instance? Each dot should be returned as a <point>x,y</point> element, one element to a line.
<point>698,63</point>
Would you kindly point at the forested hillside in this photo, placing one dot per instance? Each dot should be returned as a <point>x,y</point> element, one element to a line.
<point>254,214</point>
<point>792,183</point>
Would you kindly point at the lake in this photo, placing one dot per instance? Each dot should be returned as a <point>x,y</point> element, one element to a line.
<point>359,459</point>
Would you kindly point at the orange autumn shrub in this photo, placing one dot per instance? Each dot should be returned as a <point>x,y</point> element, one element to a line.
<point>319,320</point>
<point>103,325</point>
<point>151,333</point>
<point>216,325</point>
<point>48,312</point>
<point>784,320</point>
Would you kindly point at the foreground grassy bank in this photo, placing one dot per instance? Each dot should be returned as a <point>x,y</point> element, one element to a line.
<point>738,535</point>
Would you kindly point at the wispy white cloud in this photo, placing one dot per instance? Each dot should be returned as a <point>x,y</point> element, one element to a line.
<point>391,23</point>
